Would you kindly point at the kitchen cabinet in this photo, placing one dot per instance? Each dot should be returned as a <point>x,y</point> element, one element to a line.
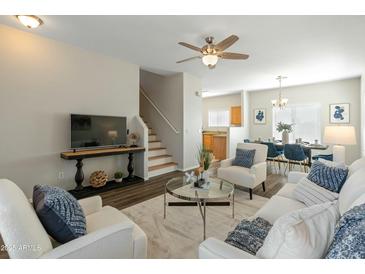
<point>217,143</point>
<point>236,115</point>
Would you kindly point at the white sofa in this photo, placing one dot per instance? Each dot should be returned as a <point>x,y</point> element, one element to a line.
<point>110,234</point>
<point>351,194</point>
<point>246,177</point>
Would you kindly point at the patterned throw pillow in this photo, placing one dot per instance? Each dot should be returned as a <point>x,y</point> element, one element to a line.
<point>311,194</point>
<point>249,235</point>
<point>244,157</point>
<point>331,178</point>
<point>59,212</point>
<point>349,241</point>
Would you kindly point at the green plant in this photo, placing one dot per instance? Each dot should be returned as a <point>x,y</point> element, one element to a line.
<point>284,127</point>
<point>118,175</point>
<point>204,157</point>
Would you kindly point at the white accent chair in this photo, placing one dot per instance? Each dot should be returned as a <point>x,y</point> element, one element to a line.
<point>110,234</point>
<point>246,177</point>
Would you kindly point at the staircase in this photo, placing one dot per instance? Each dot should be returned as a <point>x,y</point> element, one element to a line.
<point>159,161</point>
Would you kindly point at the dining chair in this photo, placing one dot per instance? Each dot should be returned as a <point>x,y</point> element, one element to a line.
<point>294,154</point>
<point>273,154</point>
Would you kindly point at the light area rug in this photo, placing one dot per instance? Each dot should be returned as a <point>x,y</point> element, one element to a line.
<point>179,235</point>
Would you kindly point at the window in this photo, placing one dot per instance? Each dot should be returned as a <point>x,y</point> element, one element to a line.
<point>306,120</point>
<point>218,118</point>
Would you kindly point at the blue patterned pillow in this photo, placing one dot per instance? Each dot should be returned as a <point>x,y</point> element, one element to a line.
<point>244,157</point>
<point>331,178</point>
<point>249,235</point>
<point>59,212</point>
<point>349,241</point>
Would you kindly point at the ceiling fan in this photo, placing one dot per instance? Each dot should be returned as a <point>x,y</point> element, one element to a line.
<point>210,53</point>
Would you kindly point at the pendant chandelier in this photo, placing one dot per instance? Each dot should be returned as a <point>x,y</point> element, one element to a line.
<point>281,102</point>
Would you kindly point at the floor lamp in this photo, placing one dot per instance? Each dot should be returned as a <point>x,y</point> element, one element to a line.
<point>339,136</point>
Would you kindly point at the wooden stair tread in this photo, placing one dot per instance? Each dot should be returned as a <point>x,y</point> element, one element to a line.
<point>156,148</point>
<point>151,168</point>
<point>157,141</point>
<point>159,157</point>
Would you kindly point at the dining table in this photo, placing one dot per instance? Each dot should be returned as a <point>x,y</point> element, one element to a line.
<point>307,148</point>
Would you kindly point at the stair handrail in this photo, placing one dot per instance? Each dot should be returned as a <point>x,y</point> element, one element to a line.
<point>158,110</point>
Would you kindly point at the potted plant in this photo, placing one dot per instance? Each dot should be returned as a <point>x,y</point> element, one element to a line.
<point>204,158</point>
<point>118,176</point>
<point>285,129</point>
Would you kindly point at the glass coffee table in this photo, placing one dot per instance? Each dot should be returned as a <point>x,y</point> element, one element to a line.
<point>213,193</point>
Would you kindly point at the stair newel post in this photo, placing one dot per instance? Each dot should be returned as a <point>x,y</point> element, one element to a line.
<point>79,176</point>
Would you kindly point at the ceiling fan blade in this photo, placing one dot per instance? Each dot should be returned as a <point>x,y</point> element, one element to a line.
<point>190,46</point>
<point>188,59</point>
<point>226,43</point>
<point>231,55</point>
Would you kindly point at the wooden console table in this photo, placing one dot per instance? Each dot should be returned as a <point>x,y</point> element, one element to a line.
<point>83,154</point>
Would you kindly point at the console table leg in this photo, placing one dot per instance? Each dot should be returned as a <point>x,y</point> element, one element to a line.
<point>130,166</point>
<point>79,177</point>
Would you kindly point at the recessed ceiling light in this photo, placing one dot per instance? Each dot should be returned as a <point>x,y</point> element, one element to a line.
<point>30,21</point>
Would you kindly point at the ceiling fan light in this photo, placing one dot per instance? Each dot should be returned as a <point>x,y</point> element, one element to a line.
<point>30,21</point>
<point>210,60</point>
<point>273,102</point>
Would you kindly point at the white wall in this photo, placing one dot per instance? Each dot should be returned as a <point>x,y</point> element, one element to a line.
<point>342,91</point>
<point>363,115</point>
<point>167,93</point>
<point>42,82</point>
<point>224,102</point>
<point>192,120</point>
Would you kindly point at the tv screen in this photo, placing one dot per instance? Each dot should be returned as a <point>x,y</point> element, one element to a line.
<point>97,131</point>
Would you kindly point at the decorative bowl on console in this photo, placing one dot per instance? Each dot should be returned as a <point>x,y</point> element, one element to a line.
<point>98,178</point>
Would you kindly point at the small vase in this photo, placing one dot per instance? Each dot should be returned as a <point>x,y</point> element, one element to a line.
<point>119,180</point>
<point>285,137</point>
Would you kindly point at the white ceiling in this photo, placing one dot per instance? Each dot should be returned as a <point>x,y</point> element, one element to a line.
<point>307,49</point>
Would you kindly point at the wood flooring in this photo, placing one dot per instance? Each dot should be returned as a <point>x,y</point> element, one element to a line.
<point>128,196</point>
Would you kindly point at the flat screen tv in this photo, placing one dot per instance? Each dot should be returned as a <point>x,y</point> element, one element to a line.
<point>89,131</point>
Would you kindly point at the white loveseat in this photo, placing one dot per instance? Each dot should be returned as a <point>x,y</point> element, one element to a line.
<point>110,234</point>
<point>351,194</point>
<point>246,177</point>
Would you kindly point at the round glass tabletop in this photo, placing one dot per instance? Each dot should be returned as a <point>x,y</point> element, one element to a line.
<point>213,190</point>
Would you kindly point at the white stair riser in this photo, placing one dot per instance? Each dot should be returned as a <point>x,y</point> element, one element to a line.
<point>162,171</point>
<point>152,138</point>
<point>155,145</point>
<point>158,152</point>
<point>159,161</point>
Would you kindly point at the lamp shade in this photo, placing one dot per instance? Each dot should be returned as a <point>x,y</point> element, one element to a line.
<point>339,135</point>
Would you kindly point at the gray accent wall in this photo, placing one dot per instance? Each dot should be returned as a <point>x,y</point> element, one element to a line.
<point>42,82</point>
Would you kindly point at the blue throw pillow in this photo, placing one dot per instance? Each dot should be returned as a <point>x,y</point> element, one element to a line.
<point>331,178</point>
<point>349,240</point>
<point>244,157</point>
<point>59,212</point>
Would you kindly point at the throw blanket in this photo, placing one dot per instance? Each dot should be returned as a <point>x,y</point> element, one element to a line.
<point>249,235</point>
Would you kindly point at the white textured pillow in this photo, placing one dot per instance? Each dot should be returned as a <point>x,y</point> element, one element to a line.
<point>302,234</point>
<point>355,166</point>
<point>332,164</point>
<point>311,194</point>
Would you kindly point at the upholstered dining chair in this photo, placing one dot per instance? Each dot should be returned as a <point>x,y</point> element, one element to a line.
<point>273,154</point>
<point>246,177</point>
<point>294,154</point>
